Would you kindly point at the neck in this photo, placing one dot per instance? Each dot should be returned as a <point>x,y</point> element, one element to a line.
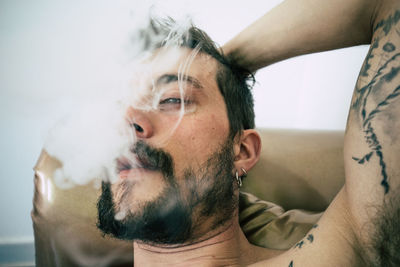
<point>228,247</point>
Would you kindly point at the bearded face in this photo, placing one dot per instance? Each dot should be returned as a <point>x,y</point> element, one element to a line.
<point>185,202</point>
<point>176,183</point>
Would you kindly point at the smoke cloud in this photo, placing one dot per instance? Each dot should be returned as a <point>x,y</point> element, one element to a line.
<point>94,134</point>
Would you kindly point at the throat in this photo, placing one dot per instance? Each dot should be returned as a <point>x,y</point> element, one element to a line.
<point>221,248</point>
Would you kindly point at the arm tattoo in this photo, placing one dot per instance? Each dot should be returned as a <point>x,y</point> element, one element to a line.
<point>383,76</point>
<point>370,55</point>
<point>386,24</point>
<point>299,244</point>
<point>309,238</point>
<point>291,264</point>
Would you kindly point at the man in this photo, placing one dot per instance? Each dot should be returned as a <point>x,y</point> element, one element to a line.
<point>178,202</point>
<point>178,197</point>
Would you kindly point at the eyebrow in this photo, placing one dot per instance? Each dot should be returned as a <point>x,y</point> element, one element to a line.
<point>171,78</point>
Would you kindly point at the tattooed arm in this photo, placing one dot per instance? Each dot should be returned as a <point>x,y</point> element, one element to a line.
<point>362,225</point>
<point>372,143</point>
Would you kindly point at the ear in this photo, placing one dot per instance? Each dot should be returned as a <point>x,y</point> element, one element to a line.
<point>247,150</point>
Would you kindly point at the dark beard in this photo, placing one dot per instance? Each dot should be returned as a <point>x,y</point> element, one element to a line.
<point>169,219</point>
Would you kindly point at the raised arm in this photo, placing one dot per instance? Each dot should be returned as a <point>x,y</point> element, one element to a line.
<point>372,143</point>
<point>297,27</point>
<point>361,226</point>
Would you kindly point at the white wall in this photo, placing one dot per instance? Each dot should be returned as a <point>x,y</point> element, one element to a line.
<point>48,47</point>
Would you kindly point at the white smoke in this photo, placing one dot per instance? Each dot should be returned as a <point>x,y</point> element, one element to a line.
<point>89,139</point>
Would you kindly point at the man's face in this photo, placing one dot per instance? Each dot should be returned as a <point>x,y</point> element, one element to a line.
<point>177,182</point>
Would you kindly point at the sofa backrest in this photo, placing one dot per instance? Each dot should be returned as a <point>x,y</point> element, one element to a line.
<point>298,169</point>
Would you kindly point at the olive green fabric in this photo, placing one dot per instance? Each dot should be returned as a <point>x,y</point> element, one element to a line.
<point>266,224</point>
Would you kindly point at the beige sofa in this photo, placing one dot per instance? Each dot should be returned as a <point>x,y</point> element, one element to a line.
<point>299,171</point>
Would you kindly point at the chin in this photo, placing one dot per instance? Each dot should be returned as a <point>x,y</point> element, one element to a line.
<point>130,196</point>
<point>163,220</point>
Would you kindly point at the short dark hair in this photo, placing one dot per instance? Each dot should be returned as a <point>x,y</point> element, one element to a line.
<point>234,82</point>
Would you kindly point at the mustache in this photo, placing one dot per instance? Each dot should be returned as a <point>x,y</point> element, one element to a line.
<point>154,159</point>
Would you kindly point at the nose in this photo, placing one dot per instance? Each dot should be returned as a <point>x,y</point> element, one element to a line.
<point>140,122</point>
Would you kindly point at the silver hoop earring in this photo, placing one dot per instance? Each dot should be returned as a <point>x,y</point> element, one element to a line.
<point>238,179</point>
<point>244,171</point>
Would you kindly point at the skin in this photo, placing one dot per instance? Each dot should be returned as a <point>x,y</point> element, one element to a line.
<point>308,26</point>
<point>194,128</point>
<point>201,130</point>
<point>360,227</point>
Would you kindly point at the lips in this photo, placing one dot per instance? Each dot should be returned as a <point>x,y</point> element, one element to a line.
<point>125,165</point>
<point>145,158</point>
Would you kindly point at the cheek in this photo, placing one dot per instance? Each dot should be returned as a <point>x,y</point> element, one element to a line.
<point>199,139</point>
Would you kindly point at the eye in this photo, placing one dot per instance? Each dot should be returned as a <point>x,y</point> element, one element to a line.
<point>174,104</point>
<point>172,100</point>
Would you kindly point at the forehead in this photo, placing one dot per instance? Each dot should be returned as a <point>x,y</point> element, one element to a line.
<point>180,61</point>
